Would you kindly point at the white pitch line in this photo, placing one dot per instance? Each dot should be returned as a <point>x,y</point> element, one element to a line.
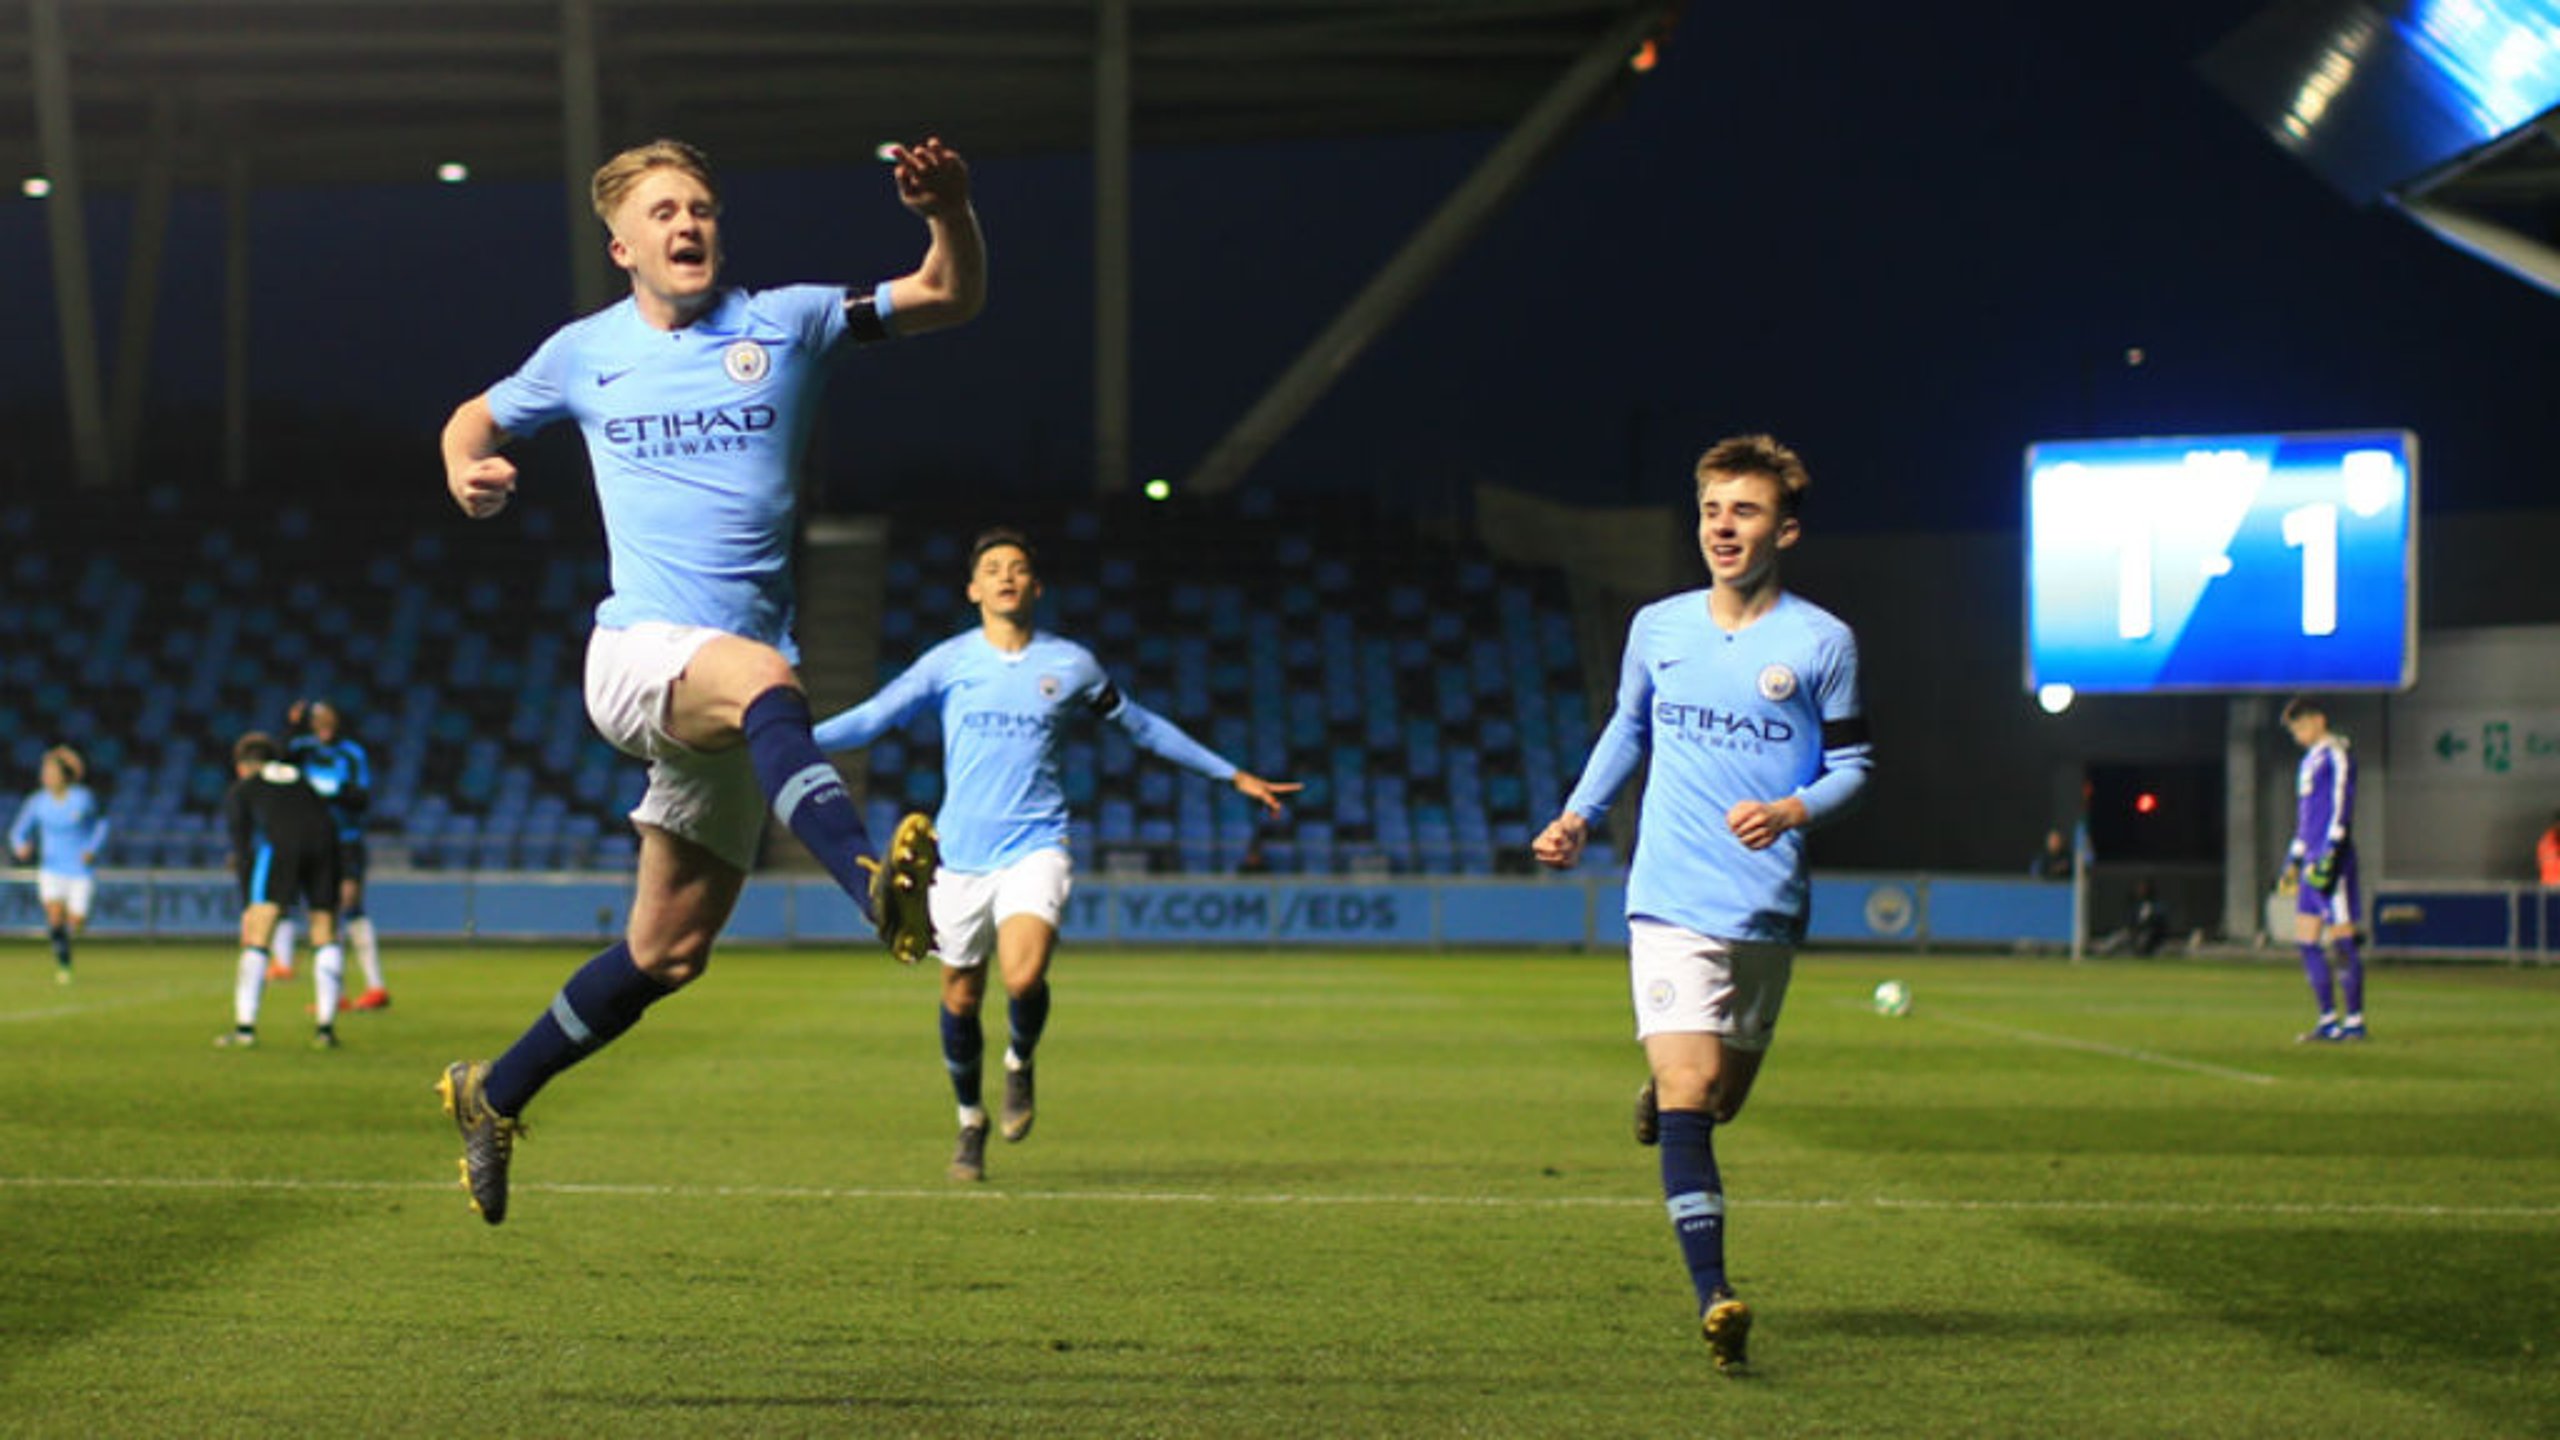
<point>1203,1197</point>
<point>2119,1052</point>
<point>122,1000</point>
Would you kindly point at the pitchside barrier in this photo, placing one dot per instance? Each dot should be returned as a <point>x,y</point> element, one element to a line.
<point>2424,920</point>
<point>1863,908</point>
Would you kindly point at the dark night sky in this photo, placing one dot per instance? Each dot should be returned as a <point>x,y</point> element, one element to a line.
<point>1909,244</point>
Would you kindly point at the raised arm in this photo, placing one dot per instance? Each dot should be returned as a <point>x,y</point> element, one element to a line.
<point>950,284</point>
<point>475,474</point>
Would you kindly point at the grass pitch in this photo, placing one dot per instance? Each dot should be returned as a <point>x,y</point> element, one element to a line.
<point>1302,1195</point>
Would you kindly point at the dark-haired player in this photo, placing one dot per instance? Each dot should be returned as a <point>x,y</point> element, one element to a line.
<point>2320,867</point>
<point>1006,689</point>
<point>284,849</point>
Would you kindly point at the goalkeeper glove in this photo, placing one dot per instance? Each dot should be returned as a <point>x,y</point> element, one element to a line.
<point>2291,879</point>
<point>2323,874</point>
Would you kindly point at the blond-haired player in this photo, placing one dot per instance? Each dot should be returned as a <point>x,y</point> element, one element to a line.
<point>694,398</point>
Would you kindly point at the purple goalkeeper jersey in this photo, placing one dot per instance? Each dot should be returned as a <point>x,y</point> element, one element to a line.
<point>2326,784</point>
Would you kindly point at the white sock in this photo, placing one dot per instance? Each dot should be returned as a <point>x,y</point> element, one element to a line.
<point>368,950</point>
<point>328,977</point>
<point>972,1115</point>
<point>281,946</point>
<point>246,990</point>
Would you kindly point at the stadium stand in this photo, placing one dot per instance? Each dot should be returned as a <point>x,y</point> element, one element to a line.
<point>1433,700</point>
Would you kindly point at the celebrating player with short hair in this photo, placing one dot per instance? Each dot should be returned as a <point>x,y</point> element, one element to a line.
<point>61,829</point>
<point>1004,689</point>
<point>1747,699</point>
<point>694,399</point>
<point>2320,868</point>
<point>284,849</point>
<point>335,764</point>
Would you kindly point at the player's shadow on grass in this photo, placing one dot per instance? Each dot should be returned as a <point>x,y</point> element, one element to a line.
<point>100,1254</point>
<point>2467,1317</point>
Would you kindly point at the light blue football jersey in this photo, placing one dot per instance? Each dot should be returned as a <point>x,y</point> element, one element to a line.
<point>65,830</point>
<point>1001,717</point>
<point>695,436</point>
<point>1761,713</point>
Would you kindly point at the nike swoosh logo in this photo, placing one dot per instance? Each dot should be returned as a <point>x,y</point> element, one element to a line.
<point>607,377</point>
<point>1668,663</point>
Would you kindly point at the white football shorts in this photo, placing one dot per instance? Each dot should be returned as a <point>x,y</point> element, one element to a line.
<point>1687,984</point>
<point>71,892</point>
<point>968,908</point>
<point>709,797</point>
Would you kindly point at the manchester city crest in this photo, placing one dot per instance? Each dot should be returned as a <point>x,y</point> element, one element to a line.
<point>1048,687</point>
<point>1777,682</point>
<point>1658,995</point>
<point>746,362</point>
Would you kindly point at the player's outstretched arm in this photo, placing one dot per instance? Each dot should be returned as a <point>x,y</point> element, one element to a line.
<point>1265,793</point>
<point>1559,846</point>
<point>950,284</point>
<point>887,709</point>
<point>475,474</point>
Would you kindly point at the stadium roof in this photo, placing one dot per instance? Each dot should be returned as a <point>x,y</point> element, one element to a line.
<point>320,91</point>
<point>150,95</point>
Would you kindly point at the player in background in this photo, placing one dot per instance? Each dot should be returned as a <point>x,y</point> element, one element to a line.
<point>284,848</point>
<point>694,399</point>
<point>1746,699</point>
<point>1006,690</point>
<point>335,765</point>
<point>2320,868</point>
<point>62,830</point>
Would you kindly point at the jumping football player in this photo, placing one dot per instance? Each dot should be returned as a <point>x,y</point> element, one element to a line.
<point>694,399</point>
<point>61,829</point>
<point>1005,690</point>
<point>1746,698</point>
<point>2320,868</point>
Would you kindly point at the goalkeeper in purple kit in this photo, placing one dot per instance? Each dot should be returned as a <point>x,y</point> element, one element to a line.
<point>2320,868</point>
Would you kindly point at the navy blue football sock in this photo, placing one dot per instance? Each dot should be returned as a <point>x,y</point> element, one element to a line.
<point>605,998</point>
<point>807,794</point>
<point>964,1049</point>
<point>60,935</point>
<point>2315,963</point>
<point>2351,974</point>
<point>1694,1194</point>
<point>1026,1017</point>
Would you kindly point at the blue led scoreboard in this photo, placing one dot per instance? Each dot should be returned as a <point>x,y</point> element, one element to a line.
<point>2223,562</point>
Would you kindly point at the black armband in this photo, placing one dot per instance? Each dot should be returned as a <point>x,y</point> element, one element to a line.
<point>1105,701</point>
<point>863,319</point>
<point>1839,734</point>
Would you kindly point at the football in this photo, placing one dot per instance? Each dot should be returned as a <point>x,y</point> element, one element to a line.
<point>1892,998</point>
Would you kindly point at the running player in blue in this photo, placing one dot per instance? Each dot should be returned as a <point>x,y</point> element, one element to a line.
<point>336,766</point>
<point>61,829</point>
<point>1006,690</point>
<point>694,399</point>
<point>1746,698</point>
<point>2320,868</point>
